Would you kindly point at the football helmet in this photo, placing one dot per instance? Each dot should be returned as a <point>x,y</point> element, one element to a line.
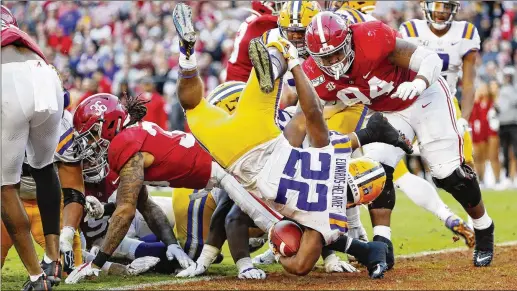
<point>367,179</point>
<point>226,93</point>
<point>366,7</point>
<point>96,121</point>
<point>440,13</point>
<point>293,20</point>
<point>267,7</point>
<point>8,17</point>
<point>329,42</point>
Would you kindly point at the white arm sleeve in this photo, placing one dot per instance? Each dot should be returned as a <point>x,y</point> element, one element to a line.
<point>426,63</point>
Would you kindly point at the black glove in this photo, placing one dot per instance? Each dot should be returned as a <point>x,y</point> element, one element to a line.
<point>379,129</point>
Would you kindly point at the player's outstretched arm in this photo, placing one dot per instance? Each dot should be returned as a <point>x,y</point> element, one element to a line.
<point>155,218</point>
<point>131,181</point>
<point>307,256</point>
<point>312,110</point>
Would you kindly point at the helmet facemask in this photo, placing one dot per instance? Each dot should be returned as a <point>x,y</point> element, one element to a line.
<point>93,150</point>
<point>298,42</point>
<point>431,8</point>
<point>325,59</point>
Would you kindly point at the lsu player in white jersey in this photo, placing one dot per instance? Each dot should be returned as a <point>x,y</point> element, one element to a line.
<point>250,146</point>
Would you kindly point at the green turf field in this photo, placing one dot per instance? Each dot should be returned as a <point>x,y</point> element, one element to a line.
<point>413,230</point>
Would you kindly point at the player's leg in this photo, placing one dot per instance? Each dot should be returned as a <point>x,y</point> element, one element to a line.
<point>493,147</point>
<point>389,156</point>
<point>7,243</point>
<point>237,225</point>
<point>423,194</point>
<point>441,146</point>
<point>15,134</point>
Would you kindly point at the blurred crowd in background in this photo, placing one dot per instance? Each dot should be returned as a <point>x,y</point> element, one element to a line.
<point>131,47</point>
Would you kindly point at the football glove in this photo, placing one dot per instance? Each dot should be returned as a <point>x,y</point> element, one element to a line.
<point>174,251</point>
<point>408,90</point>
<point>141,265</point>
<point>94,208</point>
<point>334,265</point>
<point>84,270</point>
<point>252,273</point>
<point>463,126</point>
<point>288,50</point>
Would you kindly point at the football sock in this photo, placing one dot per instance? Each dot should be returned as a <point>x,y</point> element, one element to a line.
<point>483,222</point>
<point>382,230</point>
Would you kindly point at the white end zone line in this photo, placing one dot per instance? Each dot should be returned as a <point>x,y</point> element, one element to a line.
<point>208,278</point>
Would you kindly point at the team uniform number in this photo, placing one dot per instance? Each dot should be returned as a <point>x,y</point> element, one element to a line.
<point>302,186</point>
<point>353,95</point>
<point>186,141</point>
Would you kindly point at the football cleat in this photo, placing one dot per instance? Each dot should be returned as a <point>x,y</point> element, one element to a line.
<point>182,17</point>
<point>42,284</point>
<point>390,255</point>
<point>53,271</point>
<point>378,270</point>
<point>69,262</point>
<point>460,228</point>
<point>484,249</point>
<point>261,61</point>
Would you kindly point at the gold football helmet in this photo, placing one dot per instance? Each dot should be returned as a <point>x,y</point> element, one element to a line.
<point>365,7</point>
<point>293,20</point>
<point>226,95</point>
<point>440,13</point>
<point>367,180</point>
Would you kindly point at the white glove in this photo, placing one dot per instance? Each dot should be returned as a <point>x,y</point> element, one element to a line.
<point>463,126</point>
<point>94,208</point>
<point>192,271</point>
<point>334,265</point>
<point>408,90</point>
<point>267,258</point>
<point>358,233</point>
<point>84,270</point>
<point>288,50</point>
<point>174,251</point>
<point>252,273</point>
<point>141,265</point>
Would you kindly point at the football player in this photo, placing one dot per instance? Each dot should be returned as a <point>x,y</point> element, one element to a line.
<point>32,107</point>
<point>366,63</point>
<point>265,160</point>
<point>366,7</point>
<point>264,18</point>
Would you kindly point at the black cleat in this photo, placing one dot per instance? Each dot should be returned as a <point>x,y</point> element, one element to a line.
<point>43,284</point>
<point>380,130</point>
<point>378,270</point>
<point>182,18</point>
<point>390,255</point>
<point>53,271</point>
<point>484,249</point>
<point>261,61</point>
<point>68,262</point>
<point>376,261</point>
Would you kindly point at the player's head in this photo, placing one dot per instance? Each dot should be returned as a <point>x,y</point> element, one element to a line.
<point>366,7</point>
<point>293,20</point>
<point>367,179</point>
<point>329,42</point>
<point>226,95</point>
<point>8,17</point>
<point>96,121</point>
<point>267,7</point>
<point>440,13</point>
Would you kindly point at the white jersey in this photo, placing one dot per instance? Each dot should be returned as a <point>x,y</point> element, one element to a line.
<point>307,185</point>
<point>66,152</point>
<point>461,39</point>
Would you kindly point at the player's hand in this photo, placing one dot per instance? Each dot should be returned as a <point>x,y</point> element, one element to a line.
<point>84,270</point>
<point>378,129</point>
<point>94,208</point>
<point>192,271</point>
<point>408,90</point>
<point>463,126</point>
<point>288,50</point>
<point>272,247</point>
<point>252,273</point>
<point>174,251</point>
<point>141,265</point>
<point>334,265</point>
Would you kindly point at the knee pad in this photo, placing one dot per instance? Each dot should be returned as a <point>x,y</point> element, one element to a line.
<point>463,185</point>
<point>72,196</point>
<point>387,197</point>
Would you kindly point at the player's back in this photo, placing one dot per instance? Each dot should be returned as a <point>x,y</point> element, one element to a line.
<point>239,65</point>
<point>18,46</point>
<point>178,160</point>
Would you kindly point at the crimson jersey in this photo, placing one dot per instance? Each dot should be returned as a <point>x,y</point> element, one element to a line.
<point>239,65</point>
<point>12,35</point>
<point>103,190</point>
<point>179,161</point>
<point>372,78</point>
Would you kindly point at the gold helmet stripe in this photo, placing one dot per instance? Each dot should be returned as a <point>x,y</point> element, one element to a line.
<point>295,11</point>
<point>370,176</point>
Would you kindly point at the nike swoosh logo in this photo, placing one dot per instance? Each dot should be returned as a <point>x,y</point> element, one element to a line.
<point>366,76</point>
<point>482,259</point>
<point>455,43</point>
<point>116,181</point>
<point>424,106</point>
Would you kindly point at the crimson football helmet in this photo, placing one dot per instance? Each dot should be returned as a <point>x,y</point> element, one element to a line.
<point>8,17</point>
<point>96,121</point>
<point>329,42</point>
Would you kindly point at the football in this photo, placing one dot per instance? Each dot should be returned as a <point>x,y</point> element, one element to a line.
<point>286,236</point>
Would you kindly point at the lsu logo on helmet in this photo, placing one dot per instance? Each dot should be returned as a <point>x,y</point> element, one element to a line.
<point>226,95</point>
<point>367,180</point>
